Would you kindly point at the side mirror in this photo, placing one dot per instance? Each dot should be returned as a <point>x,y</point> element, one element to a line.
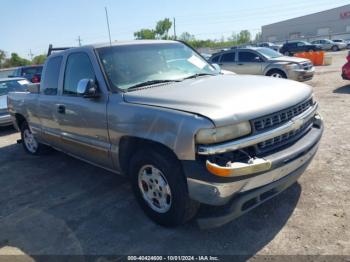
<point>217,67</point>
<point>257,59</point>
<point>88,88</point>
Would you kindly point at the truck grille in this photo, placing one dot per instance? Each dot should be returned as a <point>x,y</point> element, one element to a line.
<point>284,139</point>
<point>265,123</point>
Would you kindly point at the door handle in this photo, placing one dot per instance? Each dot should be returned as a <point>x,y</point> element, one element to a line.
<point>61,109</point>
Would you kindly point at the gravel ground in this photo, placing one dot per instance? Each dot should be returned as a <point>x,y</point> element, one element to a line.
<point>56,204</point>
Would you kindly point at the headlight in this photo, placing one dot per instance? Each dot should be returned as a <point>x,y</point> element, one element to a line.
<point>225,133</point>
<point>294,66</point>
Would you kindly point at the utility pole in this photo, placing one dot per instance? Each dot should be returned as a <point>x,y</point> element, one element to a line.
<point>109,30</point>
<point>79,40</point>
<point>174,28</point>
<point>31,54</point>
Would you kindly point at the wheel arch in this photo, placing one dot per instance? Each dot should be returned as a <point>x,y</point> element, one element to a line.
<point>20,119</point>
<point>274,69</point>
<point>129,145</point>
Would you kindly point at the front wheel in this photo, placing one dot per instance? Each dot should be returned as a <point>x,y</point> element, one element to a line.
<point>335,48</point>
<point>276,74</point>
<point>160,187</point>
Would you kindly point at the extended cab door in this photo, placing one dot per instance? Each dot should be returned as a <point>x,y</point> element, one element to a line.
<point>249,63</point>
<point>83,121</point>
<point>48,100</point>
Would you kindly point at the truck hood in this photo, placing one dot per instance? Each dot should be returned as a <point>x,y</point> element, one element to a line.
<point>290,59</point>
<point>225,99</point>
<point>3,102</point>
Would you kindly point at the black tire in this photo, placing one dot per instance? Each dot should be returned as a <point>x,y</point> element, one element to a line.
<point>39,149</point>
<point>276,71</point>
<point>182,208</point>
<point>335,48</point>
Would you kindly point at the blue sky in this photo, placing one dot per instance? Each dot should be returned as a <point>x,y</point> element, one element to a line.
<point>33,24</point>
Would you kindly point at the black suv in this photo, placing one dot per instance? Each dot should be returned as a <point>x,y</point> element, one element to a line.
<point>291,48</point>
<point>31,73</point>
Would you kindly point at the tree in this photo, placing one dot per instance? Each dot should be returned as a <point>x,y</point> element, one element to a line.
<point>244,37</point>
<point>145,34</point>
<point>40,59</point>
<point>2,57</point>
<point>16,60</point>
<point>186,36</point>
<point>163,27</point>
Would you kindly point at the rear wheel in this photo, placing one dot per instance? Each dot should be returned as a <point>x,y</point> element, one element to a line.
<point>29,142</point>
<point>276,73</point>
<point>160,187</point>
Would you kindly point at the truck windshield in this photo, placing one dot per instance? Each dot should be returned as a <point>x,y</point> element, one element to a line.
<point>129,66</point>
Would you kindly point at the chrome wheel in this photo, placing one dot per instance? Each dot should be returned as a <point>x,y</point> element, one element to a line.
<point>30,141</point>
<point>155,188</point>
<point>277,75</point>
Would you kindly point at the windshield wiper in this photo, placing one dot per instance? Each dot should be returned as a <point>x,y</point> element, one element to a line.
<point>151,82</point>
<point>197,75</point>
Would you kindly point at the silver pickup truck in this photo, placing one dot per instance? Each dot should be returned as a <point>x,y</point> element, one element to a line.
<point>192,140</point>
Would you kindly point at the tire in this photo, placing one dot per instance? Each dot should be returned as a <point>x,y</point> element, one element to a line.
<point>335,48</point>
<point>287,53</point>
<point>276,73</point>
<point>156,175</point>
<point>29,142</point>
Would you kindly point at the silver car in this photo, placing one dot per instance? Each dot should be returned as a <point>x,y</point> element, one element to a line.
<point>264,61</point>
<point>327,44</point>
<point>9,85</point>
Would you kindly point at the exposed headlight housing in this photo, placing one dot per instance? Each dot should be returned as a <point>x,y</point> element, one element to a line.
<point>221,134</point>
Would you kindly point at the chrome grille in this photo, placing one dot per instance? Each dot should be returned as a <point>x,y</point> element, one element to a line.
<point>265,123</point>
<point>284,139</point>
<point>3,111</point>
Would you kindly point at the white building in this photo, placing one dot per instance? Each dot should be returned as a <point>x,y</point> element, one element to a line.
<point>331,24</point>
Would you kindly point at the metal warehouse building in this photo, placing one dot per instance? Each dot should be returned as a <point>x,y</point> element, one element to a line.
<point>331,24</point>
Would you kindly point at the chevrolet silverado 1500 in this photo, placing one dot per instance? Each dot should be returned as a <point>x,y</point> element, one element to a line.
<point>189,137</point>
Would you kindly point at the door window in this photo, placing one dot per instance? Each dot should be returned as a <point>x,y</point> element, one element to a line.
<point>248,57</point>
<point>228,57</point>
<point>78,67</point>
<point>49,84</point>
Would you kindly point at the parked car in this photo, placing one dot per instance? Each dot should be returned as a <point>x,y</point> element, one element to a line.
<point>327,44</point>
<point>290,48</point>
<point>9,85</point>
<point>31,73</point>
<point>185,134</point>
<point>206,56</point>
<point>341,42</point>
<point>346,69</point>
<point>7,72</point>
<point>264,61</point>
<point>270,45</point>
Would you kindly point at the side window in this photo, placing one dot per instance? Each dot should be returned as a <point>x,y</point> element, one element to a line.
<point>215,59</point>
<point>228,57</point>
<point>49,83</point>
<point>248,57</point>
<point>78,67</point>
<point>301,44</point>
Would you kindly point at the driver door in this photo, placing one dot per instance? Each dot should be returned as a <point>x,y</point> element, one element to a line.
<point>249,63</point>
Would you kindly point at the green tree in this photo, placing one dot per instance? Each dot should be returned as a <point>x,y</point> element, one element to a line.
<point>145,34</point>
<point>163,27</point>
<point>2,57</point>
<point>16,60</point>
<point>186,36</point>
<point>244,37</point>
<point>40,59</point>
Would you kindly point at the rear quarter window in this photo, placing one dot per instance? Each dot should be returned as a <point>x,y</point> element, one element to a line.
<point>49,84</point>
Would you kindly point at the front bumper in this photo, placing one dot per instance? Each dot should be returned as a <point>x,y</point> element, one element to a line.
<point>5,120</point>
<point>284,162</point>
<point>301,75</point>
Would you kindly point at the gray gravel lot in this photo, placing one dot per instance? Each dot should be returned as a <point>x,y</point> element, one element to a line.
<point>56,204</point>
